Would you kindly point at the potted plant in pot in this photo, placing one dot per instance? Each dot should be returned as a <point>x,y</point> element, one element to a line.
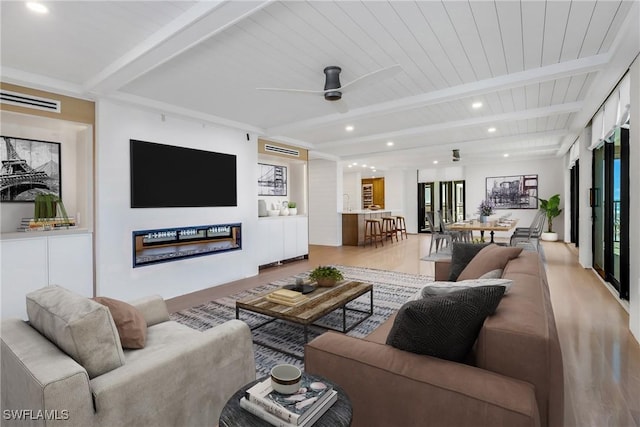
<point>293,210</point>
<point>486,210</point>
<point>326,276</point>
<point>551,208</point>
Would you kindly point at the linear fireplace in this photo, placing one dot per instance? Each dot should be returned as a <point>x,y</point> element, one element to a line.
<point>173,244</point>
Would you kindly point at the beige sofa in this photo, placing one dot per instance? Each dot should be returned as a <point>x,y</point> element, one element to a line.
<point>516,378</point>
<point>182,377</point>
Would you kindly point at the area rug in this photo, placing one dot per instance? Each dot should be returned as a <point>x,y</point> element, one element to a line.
<point>390,290</point>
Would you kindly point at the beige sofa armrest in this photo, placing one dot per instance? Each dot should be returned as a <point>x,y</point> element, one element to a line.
<point>153,308</point>
<point>185,384</point>
<point>392,387</point>
<point>38,376</point>
<point>442,269</point>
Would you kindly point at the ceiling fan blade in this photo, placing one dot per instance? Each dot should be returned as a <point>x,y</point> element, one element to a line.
<point>277,89</point>
<point>374,76</point>
<point>340,106</point>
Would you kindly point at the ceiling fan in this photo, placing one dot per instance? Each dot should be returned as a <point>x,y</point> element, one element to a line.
<point>333,89</point>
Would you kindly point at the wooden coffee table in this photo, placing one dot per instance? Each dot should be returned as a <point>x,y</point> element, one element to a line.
<point>321,302</point>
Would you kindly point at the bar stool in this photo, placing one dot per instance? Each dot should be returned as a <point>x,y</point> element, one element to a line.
<point>373,232</point>
<point>401,227</point>
<point>389,228</point>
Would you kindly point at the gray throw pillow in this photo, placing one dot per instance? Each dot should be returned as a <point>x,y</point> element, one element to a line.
<point>441,288</point>
<point>445,326</point>
<point>461,255</point>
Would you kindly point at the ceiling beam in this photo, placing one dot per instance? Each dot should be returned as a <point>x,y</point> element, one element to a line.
<point>476,121</point>
<point>523,78</point>
<point>200,22</point>
<point>486,143</point>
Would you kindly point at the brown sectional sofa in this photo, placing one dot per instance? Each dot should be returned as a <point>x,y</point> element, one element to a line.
<point>513,378</point>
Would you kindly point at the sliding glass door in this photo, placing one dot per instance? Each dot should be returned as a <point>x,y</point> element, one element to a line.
<point>610,211</point>
<point>452,198</point>
<point>425,205</point>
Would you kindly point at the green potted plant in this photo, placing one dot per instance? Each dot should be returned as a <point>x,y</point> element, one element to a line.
<point>326,276</point>
<point>551,208</point>
<point>293,210</point>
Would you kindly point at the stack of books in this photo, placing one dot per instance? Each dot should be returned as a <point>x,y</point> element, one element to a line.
<point>303,408</point>
<point>287,297</point>
<point>46,224</point>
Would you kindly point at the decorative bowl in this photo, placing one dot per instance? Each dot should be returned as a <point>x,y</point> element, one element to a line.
<point>286,378</point>
<point>273,212</point>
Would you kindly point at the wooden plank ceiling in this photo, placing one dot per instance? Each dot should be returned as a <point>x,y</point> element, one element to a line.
<point>536,66</point>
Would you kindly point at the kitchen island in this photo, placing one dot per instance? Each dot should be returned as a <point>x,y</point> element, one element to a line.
<point>353,224</point>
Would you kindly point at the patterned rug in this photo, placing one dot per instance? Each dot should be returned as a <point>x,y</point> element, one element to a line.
<point>391,289</point>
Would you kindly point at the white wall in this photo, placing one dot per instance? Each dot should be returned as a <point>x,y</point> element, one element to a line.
<point>585,224</point>
<point>634,206</point>
<point>352,187</point>
<point>325,192</point>
<point>550,173</point>
<point>411,200</point>
<point>394,192</point>
<point>115,277</point>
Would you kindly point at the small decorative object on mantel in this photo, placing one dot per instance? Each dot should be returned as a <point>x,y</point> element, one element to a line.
<point>326,276</point>
<point>284,210</point>
<point>293,210</point>
<point>485,210</point>
<point>45,215</point>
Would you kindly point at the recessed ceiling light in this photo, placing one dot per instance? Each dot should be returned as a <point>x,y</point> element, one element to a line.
<point>37,7</point>
<point>476,105</point>
<point>374,171</point>
<point>350,166</point>
<point>349,128</point>
<point>372,167</point>
<point>364,166</point>
<point>435,162</point>
<point>355,163</point>
<point>389,143</point>
<point>506,154</point>
<point>491,130</point>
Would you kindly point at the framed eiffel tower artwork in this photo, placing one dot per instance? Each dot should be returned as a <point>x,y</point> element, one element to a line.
<point>29,168</point>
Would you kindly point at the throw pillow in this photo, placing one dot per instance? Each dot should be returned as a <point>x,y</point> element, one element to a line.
<point>131,325</point>
<point>493,274</point>
<point>461,255</point>
<point>489,258</point>
<point>441,288</point>
<point>80,327</point>
<point>445,326</point>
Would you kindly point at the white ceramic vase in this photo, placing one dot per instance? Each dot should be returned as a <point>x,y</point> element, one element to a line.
<point>284,211</point>
<point>293,211</point>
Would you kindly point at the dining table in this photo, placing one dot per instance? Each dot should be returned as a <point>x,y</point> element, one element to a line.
<point>492,226</point>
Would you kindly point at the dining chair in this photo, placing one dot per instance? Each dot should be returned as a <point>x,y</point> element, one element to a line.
<point>437,236</point>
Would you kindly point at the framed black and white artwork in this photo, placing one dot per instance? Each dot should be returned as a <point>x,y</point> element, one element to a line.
<point>272,180</point>
<point>29,167</point>
<point>513,192</point>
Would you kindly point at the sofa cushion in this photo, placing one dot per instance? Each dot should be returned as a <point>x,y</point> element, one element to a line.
<point>461,255</point>
<point>80,327</point>
<point>130,322</point>
<point>489,258</point>
<point>444,326</point>
<point>441,288</point>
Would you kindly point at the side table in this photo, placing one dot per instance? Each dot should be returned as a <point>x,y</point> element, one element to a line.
<point>338,415</point>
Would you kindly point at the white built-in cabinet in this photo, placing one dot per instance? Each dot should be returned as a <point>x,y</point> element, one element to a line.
<point>32,261</point>
<point>282,237</point>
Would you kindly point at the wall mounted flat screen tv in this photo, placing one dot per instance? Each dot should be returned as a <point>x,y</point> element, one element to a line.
<point>168,176</point>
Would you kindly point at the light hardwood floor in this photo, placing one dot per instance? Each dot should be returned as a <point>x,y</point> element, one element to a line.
<point>601,357</point>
